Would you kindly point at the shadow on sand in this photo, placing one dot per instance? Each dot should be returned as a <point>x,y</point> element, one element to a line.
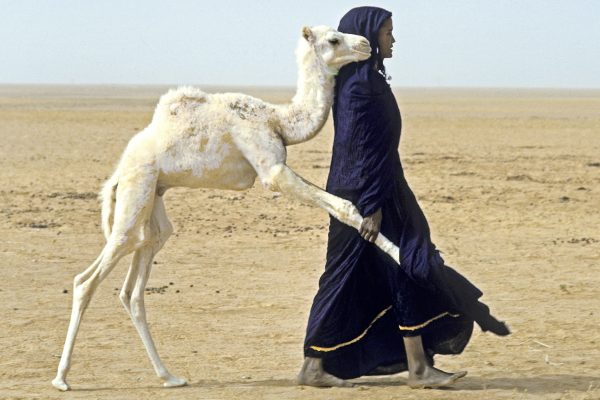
<point>532,384</point>
<point>205,383</point>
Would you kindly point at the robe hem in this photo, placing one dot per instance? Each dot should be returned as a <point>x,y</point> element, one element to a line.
<point>381,314</point>
<point>424,324</point>
<point>356,339</point>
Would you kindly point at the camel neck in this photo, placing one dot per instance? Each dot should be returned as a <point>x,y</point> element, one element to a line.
<point>304,117</point>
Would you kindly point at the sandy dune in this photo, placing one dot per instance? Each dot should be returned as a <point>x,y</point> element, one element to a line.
<point>510,182</point>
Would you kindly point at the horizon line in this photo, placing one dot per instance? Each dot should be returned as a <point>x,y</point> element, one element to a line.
<point>293,87</point>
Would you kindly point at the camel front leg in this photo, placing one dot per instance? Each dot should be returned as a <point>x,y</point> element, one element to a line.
<point>284,180</point>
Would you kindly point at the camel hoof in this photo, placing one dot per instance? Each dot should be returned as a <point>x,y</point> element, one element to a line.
<point>61,384</point>
<point>173,381</point>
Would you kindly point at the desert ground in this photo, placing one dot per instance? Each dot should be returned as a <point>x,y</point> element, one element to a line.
<point>509,180</point>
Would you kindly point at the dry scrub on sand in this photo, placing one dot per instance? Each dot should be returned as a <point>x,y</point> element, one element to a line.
<point>510,182</point>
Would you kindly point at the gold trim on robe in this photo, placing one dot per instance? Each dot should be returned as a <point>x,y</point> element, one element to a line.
<point>381,314</point>
<point>356,339</point>
<point>424,324</point>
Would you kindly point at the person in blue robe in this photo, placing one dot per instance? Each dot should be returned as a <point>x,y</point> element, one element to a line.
<point>371,316</point>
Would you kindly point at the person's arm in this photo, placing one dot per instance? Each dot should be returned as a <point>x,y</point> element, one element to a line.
<point>363,134</point>
<point>371,144</point>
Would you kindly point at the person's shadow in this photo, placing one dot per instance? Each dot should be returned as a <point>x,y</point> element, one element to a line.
<point>557,383</point>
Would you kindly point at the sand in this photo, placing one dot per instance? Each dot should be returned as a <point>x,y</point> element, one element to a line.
<point>509,180</point>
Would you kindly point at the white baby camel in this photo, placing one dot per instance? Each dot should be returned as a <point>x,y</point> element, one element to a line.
<point>205,140</point>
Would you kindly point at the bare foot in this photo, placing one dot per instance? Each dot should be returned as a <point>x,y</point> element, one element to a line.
<point>433,378</point>
<point>313,374</point>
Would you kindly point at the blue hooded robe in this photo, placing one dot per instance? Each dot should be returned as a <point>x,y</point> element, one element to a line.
<point>365,303</point>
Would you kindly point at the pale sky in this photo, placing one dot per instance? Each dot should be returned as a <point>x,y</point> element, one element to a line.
<point>440,43</point>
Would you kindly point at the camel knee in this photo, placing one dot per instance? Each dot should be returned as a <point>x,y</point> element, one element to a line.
<point>83,282</point>
<point>349,213</point>
<point>78,280</point>
<point>125,297</point>
<point>82,292</point>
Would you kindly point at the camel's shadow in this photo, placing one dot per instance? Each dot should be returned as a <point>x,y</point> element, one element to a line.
<point>204,383</point>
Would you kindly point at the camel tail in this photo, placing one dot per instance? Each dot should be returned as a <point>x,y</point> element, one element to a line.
<point>108,197</point>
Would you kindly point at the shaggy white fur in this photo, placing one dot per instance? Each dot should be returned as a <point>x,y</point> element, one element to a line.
<point>222,141</point>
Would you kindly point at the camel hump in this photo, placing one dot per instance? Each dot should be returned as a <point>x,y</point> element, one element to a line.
<point>174,98</point>
<point>183,93</point>
<point>171,102</point>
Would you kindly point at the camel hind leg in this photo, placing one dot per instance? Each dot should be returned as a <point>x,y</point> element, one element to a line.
<point>132,293</point>
<point>134,203</point>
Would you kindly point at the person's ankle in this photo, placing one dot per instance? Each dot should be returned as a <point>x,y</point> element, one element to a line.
<point>313,365</point>
<point>419,369</point>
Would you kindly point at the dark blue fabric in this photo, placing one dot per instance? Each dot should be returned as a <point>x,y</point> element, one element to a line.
<point>360,281</point>
<point>365,146</point>
<point>365,21</point>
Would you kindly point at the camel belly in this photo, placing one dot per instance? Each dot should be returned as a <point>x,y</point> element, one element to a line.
<point>231,172</point>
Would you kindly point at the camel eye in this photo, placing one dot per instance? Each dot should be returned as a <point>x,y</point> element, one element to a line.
<point>334,41</point>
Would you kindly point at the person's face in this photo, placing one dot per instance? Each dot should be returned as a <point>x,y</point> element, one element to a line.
<point>386,39</point>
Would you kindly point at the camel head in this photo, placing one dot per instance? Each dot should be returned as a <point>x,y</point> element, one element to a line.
<point>336,49</point>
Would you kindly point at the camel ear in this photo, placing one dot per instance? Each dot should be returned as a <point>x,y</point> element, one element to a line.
<point>307,34</point>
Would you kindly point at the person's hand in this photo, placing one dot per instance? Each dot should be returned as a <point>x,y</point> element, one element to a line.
<point>369,229</point>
